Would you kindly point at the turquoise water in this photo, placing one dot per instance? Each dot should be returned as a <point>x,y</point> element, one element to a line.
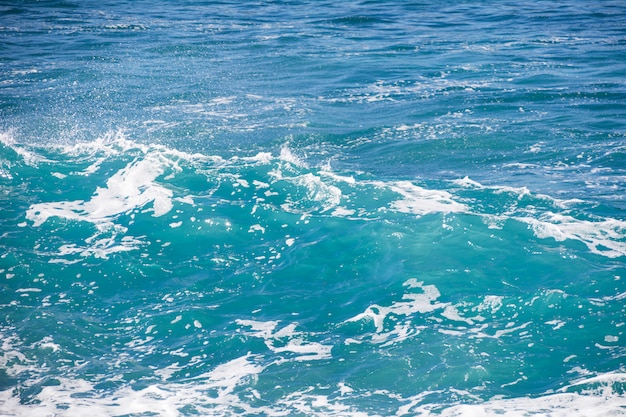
<point>303,208</point>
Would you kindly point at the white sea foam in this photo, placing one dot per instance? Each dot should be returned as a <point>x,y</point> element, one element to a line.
<point>318,194</point>
<point>77,397</point>
<point>256,228</point>
<point>327,195</point>
<point>342,212</point>
<point>130,188</point>
<point>29,157</point>
<point>467,182</point>
<point>604,237</point>
<point>229,388</point>
<point>420,201</point>
<point>597,401</point>
<point>400,90</point>
<point>411,304</point>
<point>395,323</point>
<point>298,345</point>
<point>142,185</point>
<point>493,303</point>
<point>520,165</point>
<point>497,189</point>
<point>99,247</point>
<point>22,290</point>
<point>288,156</point>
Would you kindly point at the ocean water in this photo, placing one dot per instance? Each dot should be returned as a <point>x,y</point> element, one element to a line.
<point>313,208</point>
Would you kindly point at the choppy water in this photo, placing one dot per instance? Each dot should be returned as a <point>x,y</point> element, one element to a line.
<point>294,208</point>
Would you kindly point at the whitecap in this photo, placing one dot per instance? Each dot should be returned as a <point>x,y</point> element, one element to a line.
<point>421,201</point>
<point>604,237</point>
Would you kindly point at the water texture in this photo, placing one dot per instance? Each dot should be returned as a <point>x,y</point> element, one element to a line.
<point>310,208</point>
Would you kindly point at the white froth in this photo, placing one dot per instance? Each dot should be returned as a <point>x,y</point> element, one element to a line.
<point>328,195</point>
<point>297,343</point>
<point>467,183</point>
<point>342,212</point>
<point>28,290</point>
<point>306,350</point>
<point>339,178</point>
<point>30,158</point>
<point>242,182</point>
<point>260,184</point>
<point>604,237</point>
<point>256,228</point>
<point>228,387</point>
<point>230,374</point>
<point>421,201</point>
<point>492,303</point>
<point>78,397</point>
<point>412,303</point>
<point>130,188</point>
<point>556,405</point>
<point>556,324</point>
<point>451,313</point>
<point>288,156</point>
<point>261,157</point>
<point>99,248</point>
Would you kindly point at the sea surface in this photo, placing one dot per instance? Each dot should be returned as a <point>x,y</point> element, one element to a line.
<point>313,208</point>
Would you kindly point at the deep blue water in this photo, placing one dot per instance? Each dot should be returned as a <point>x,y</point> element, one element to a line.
<point>310,208</point>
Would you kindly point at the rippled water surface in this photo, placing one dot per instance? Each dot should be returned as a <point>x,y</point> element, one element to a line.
<point>358,208</point>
